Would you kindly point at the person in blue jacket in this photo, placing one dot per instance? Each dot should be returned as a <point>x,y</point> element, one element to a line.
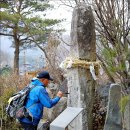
<point>38,98</point>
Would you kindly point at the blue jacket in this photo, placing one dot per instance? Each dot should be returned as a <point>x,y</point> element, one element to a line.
<point>38,98</point>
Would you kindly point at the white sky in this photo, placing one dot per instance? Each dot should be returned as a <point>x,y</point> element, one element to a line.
<point>61,11</point>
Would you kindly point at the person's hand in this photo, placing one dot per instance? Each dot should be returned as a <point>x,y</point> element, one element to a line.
<point>60,94</point>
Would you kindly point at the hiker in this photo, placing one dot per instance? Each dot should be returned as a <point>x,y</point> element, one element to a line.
<point>38,98</point>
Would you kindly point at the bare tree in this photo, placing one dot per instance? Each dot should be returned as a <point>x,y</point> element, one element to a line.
<point>113,28</point>
<point>56,53</point>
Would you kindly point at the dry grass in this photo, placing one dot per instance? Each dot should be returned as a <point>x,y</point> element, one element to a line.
<point>13,80</point>
<point>9,84</point>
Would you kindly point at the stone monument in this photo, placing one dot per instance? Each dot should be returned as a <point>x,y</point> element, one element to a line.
<point>81,84</point>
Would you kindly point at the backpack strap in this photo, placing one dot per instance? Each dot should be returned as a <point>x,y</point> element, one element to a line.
<point>28,114</point>
<point>31,86</point>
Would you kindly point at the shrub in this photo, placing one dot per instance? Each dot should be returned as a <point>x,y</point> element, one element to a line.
<point>9,84</point>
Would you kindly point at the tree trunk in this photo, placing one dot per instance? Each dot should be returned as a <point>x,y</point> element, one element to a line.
<point>16,55</point>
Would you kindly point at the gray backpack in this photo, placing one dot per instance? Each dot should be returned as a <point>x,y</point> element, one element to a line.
<point>15,107</point>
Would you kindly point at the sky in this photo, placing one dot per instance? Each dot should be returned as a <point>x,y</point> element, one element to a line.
<point>61,11</point>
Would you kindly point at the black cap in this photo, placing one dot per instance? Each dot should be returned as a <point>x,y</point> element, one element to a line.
<point>44,74</point>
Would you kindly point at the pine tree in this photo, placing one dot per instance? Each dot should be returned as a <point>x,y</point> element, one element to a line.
<point>24,21</point>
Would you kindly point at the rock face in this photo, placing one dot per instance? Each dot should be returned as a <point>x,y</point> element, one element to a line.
<point>80,82</point>
<point>113,118</point>
<point>51,114</point>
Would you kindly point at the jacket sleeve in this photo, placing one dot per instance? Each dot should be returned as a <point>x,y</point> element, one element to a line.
<point>46,100</point>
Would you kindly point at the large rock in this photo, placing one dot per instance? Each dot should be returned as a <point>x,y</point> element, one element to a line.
<point>103,92</point>
<point>113,118</point>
